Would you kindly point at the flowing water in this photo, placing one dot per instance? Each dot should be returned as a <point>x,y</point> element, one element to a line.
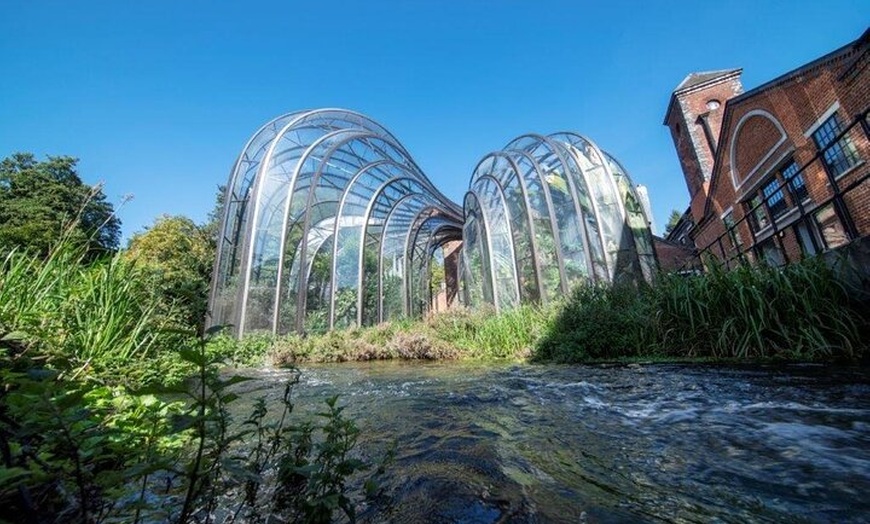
<point>638,443</point>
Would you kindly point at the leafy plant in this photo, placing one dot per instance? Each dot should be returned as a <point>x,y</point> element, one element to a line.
<point>42,202</point>
<point>799,312</point>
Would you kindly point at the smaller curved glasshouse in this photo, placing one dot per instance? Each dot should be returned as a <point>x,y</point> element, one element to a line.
<point>545,213</point>
<point>329,223</point>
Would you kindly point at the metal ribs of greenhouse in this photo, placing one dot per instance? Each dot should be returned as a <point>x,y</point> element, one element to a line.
<point>547,212</point>
<point>328,222</point>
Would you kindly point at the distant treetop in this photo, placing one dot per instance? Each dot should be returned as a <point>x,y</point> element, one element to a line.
<point>42,201</point>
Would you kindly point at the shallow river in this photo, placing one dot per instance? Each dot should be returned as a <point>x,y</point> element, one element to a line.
<point>642,443</point>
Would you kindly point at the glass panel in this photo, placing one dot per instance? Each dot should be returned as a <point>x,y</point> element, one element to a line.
<point>795,182</point>
<point>804,236</point>
<point>840,156</point>
<point>774,198</point>
<point>830,227</point>
<point>500,239</point>
<point>771,253</point>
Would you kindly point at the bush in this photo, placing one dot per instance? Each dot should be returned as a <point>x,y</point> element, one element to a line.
<point>598,322</point>
<point>83,436</point>
<point>799,312</point>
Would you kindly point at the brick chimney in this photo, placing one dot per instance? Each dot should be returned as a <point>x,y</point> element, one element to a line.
<point>694,117</point>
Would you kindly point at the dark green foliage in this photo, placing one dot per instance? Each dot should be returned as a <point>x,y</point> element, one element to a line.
<point>598,322</point>
<point>78,443</point>
<point>799,312</point>
<point>40,202</point>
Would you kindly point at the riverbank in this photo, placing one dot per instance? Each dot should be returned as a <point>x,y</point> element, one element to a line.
<point>799,313</point>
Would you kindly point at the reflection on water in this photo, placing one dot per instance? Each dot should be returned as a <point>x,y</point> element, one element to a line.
<point>642,443</point>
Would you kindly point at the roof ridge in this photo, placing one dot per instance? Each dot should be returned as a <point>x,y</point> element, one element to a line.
<point>700,77</point>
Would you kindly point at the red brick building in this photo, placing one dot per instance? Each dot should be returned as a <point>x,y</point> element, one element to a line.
<point>781,171</point>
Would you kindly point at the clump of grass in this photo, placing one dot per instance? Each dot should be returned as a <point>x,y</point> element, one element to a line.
<point>483,334</point>
<point>799,312</point>
<point>598,322</point>
<point>83,314</point>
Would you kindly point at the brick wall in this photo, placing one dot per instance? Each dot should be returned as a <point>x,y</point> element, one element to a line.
<point>796,104</point>
<point>673,256</point>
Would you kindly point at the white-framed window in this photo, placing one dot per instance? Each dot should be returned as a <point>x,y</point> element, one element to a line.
<point>770,201</point>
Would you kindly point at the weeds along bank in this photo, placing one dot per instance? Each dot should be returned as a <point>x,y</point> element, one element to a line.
<point>112,409</point>
<point>457,334</point>
<point>797,313</point>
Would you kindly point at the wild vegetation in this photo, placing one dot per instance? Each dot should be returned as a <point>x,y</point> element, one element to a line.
<point>113,407</point>
<point>110,409</point>
<point>797,313</point>
<point>800,312</point>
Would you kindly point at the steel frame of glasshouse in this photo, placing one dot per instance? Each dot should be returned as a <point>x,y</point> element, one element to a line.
<point>328,222</point>
<point>327,186</point>
<point>547,212</point>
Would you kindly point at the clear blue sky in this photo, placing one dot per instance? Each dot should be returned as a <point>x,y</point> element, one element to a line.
<point>157,97</point>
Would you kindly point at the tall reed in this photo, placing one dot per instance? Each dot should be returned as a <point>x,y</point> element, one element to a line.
<point>799,312</point>
<point>82,313</point>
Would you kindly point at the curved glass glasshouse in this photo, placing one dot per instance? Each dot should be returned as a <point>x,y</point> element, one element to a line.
<point>328,223</point>
<point>545,213</point>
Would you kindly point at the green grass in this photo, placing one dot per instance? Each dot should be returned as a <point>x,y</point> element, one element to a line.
<point>82,315</point>
<point>800,312</point>
<point>797,313</point>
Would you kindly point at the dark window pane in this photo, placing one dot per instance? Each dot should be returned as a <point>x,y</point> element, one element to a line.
<point>795,181</point>
<point>771,253</point>
<point>774,198</point>
<point>757,216</point>
<point>733,233</point>
<point>826,133</point>
<point>808,247</point>
<point>841,155</point>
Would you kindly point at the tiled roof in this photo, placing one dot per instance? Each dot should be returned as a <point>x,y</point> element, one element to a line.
<point>694,79</point>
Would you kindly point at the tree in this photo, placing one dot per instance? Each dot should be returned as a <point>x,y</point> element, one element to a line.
<point>213,222</point>
<point>178,255</point>
<point>40,202</point>
<point>673,220</point>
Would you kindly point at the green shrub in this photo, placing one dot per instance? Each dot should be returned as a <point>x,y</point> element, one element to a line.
<point>83,436</point>
<point>598,322</point>
<point>798,312</point>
